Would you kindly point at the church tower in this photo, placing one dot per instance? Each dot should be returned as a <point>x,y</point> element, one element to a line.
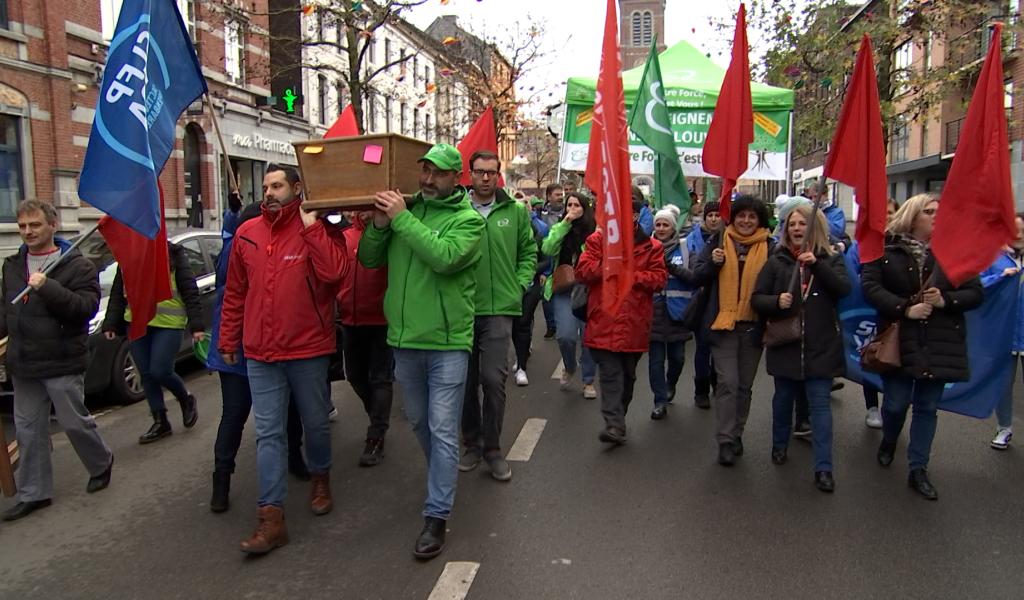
<point>639,22</point>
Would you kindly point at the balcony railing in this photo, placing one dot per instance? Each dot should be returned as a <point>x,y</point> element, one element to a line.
<point>952,135</point>
<point>972,46</point>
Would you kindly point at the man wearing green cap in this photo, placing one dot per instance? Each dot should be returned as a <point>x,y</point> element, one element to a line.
<point>431,247</point>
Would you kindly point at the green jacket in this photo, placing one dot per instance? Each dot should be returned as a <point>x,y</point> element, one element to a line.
<point>551,246</point>
<point>430,250</point>
<point>508,258</point>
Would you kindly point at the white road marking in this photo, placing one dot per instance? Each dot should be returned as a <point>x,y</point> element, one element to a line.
<point>558,370</point>
<point>454,582</point>
<point>527,440</point>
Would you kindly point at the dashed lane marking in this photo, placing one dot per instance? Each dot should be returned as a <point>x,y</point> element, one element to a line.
<point>454,582</point>
<point>522,449</point>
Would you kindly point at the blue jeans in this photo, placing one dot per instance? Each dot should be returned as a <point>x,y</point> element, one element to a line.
<point>661,384</point>
<point>569,333</point>
<point>237,400</point>
<point>549,313</point>
<point>155,354</point>
<point>433,389</point>
<point>818,391</point>
<point>1004,410</point>
<point>272,383</point>
<point>900,393</point>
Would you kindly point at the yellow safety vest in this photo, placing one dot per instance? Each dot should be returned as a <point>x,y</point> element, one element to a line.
<point>170,314</point>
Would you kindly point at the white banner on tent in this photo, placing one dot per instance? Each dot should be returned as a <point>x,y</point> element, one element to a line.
<point>763,164</point>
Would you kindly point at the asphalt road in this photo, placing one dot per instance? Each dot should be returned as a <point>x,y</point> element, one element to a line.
<point>657,518</point>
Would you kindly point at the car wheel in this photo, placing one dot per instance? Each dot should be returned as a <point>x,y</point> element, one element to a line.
<point>125,378</point>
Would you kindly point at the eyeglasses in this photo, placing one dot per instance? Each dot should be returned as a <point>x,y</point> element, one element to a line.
<point>483,173</point>
<point>929,211</point>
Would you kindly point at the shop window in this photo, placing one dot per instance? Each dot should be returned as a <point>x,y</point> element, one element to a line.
<point>12,182</point>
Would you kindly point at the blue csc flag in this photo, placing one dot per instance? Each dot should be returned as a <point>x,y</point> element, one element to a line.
<point>151,76</point>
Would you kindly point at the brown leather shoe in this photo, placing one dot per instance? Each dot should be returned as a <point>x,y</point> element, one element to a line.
<point>271,532</point>
<point>320,493</point>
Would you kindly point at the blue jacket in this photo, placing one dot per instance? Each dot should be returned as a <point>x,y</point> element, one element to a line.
<point>696,240</point>
<point>995,273</point>
<point>836,221</point>
<point>214,361</point>
<point>647,220</point>
<point>679,289</point>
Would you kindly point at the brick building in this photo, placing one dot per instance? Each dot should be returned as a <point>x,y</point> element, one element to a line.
<point>639,22</point>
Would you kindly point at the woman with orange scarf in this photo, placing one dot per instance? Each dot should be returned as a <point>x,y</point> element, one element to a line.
<point>728,268</point>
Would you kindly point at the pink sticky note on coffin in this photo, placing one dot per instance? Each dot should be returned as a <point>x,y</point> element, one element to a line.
<point>372,154</point>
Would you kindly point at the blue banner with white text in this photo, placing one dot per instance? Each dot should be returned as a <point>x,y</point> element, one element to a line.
<point>990,330</point>
<point>151,76</point>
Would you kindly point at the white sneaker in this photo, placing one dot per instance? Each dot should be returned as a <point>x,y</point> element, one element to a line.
<point>521,378</point>
<point>873,418</point>
<point>589,391</point>
<point>1002,439</point>
<point>565,379</point>
<point>333,415</point>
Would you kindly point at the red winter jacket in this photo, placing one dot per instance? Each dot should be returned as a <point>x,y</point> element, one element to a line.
<point>361,299</point>
<point>629,329</point>
<point>282,283</point>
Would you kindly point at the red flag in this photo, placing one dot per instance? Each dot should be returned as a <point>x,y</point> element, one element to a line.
<point>608,170</point>
<point>481,136</point>
<point>145,268</point>
<point>732,126</point>
<point>976,216</point>
<point>857,154</point>
<point>345,126</point>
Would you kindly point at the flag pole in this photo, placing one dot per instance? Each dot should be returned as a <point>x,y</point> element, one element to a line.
<point>53,265</point>
<point>232,180</point>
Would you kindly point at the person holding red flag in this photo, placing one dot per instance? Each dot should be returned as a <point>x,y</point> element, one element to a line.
<point>618,336</point>
<point>912,292</point>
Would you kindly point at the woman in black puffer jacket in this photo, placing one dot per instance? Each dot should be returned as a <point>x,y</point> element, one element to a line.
<point>906,285</point>
<point>809,363</point>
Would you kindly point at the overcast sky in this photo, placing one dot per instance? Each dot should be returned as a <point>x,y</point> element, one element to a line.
<point>573,31</point>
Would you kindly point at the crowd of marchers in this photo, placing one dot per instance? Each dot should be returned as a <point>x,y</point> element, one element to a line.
<point>429,291</point>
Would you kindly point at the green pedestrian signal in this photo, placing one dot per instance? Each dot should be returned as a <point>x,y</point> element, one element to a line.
<point>289,98</point>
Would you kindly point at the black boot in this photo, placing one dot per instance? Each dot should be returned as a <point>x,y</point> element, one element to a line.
<point>919,481</point>
<point>886,453</point>
<point>219,501</point>
<point>701,393</point>
<point>161,428</point>
<point>189,411</point>
<point>431,540</point>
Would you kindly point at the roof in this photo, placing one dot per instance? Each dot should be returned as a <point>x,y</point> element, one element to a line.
<point>691,80</point>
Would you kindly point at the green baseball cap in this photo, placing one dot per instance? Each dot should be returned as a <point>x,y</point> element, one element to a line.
<point>535,201</point>
<point>444,156</point>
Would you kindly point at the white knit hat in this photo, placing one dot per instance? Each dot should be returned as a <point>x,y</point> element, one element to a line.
<point>670,213</point>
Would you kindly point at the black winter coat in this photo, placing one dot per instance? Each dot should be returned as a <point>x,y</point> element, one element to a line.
<point>934,348</point>
<point>49,330</point>
<point>663,327</point>
<point>819,352</point>
<point>185,281</point>
<point>705,273</point>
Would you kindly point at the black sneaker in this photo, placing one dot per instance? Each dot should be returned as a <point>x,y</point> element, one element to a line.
<point>659,413</point>
<point>373,452</point>
<point>24,509</point>
<point>613,435</point>
<point>702,401</point>
<point>550,333</point>
<point>102,480</point>
<point>470,459</point>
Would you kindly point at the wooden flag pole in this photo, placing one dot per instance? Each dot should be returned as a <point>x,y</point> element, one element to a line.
<point>232,180</point>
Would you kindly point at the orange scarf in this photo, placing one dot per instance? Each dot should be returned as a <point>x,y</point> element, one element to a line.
<point>733,293</point>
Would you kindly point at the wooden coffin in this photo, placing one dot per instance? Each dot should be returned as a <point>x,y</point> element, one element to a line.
<point>345,173</point>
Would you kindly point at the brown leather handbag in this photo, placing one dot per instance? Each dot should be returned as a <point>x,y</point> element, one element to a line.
<point>779,332</point>
<point>562,279</point>
<point>882,353</point>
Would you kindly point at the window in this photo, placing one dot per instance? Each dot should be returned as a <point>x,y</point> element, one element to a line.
<point>403,117</point>
<point>647,29</point>
<point>3,14</point>
<point>1008,99</point>
<point>426,74</point>
<point>387,114</point>
<point>401,64</point>
<point>636,29</point>
<point>371,112</point>
<point>428,129</point>
<point>902,58</point>
<point>234,51</point>
<point>12,186</point>
<point>338,33</point>
<point>319,25</point>
<point>342,95</point>
<point>415,122</point>
<point>899,140</point>
<point>371,50</point>
<point>321,83</point>
<point>415,70</point>
<point>928,52</point>
<point>387,52</point>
